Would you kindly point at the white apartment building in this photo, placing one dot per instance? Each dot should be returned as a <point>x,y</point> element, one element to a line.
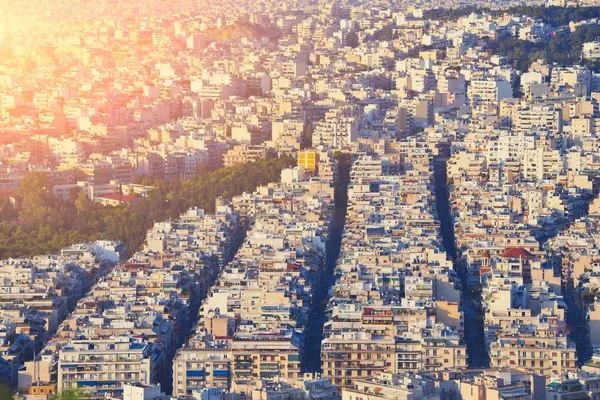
<point>525,119</point>
<point>98,366</point>
<point>591,50</point>
<point>488,91</point>
<point>336,132</point>
<point>575,77</point>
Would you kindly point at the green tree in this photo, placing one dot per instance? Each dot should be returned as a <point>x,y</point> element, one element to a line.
<point>307,135</point>
<point>69,395</point>
<point>7,210</point>
<point>82,203</point>
<point>53,224</point>
<point>36,198</point>
<point>352,39</point>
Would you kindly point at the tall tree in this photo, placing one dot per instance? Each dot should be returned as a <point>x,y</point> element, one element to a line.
<point>36,198</point>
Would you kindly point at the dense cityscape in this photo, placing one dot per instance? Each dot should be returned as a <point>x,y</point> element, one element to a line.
<point>300,200</point>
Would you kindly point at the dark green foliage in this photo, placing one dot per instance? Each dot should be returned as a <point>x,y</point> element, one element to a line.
<point>352,39</point>
<point>5,393</point>
<point>386,33</point>
<point>242,30</point>
<point>307,135</point>
<point>555,16</point>
<point>564,48</point>
<point>450,14</point>
<point>343,159</point>
<point>6,209</point>
<point>68,395</point>
<point>48,224</point>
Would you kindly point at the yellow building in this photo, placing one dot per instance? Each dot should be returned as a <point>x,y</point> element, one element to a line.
<point>308,159</point>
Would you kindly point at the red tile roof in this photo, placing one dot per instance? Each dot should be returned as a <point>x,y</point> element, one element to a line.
<point>517,252</point>
<point>120,197</point>
<point>7,193</point>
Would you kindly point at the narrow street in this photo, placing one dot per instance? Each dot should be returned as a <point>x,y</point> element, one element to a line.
<point>311,356</point>
<point>189,330</point>
<point>575,316</point>
<point>474,333</point>
<point>580,328</point>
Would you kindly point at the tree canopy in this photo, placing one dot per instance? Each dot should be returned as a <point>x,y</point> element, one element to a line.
<point>555,16</point>
<point>563,48</point>
<point>47,224</point>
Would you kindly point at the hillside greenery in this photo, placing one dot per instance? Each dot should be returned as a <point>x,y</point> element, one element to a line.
<point>241,30</point>
<point>555,16</point>
<point>46,224</point>
<point>564,48</point>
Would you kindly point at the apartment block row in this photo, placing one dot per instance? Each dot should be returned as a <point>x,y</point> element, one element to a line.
<point>252,325</point>
<point>37,295</point>
<point>128,327</point>
<point>395,306</point>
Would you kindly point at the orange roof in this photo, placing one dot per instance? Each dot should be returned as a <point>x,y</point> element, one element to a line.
<point>120,197</point>
<point>517,252</point>
<point>7,193</point>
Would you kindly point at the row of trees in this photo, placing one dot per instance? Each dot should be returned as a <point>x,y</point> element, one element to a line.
<point>451,14</point>
<point>555,16</point>
<point>563,48</point>
<point>47,224</point>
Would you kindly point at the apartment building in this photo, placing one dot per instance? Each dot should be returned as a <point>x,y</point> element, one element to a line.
<point>95,367</point>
